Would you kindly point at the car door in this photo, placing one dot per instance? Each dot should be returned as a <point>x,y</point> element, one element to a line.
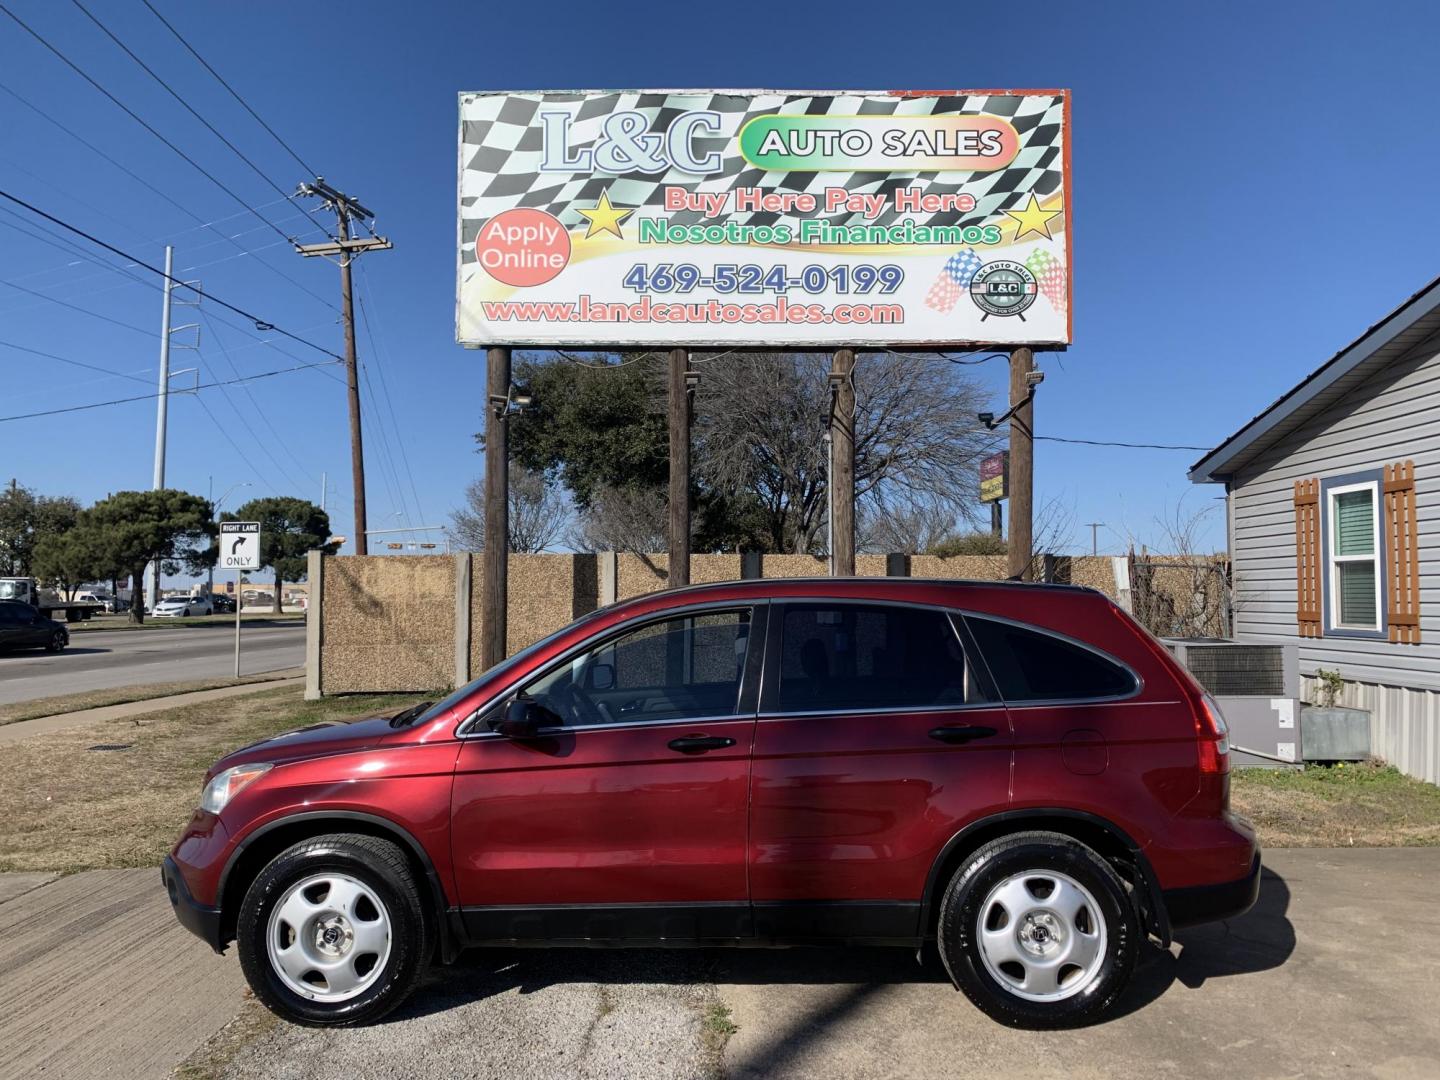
<point>878,738</point>
<point>625,817</point>
<point>11,626</point>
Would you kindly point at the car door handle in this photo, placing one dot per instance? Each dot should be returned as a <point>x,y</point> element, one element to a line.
<point>698,744</point>
<point>959,734</point>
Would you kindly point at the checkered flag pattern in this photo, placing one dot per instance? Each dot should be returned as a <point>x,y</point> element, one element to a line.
<point>501,153</point>
<point>1049,276</point>
<point>955,277</point>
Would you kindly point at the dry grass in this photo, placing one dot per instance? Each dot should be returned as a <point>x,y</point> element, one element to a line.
<point>66,807</point>
<point>121,695</point>
<point>1368,805</point>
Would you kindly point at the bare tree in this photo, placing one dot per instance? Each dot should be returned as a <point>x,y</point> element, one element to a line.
<point>623,519</point>
<point>1186,591</point>
<point>538,513</point>
<point>762,421</point>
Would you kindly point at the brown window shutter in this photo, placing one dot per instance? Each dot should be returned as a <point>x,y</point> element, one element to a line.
<point>1307,556</point>
<point>1402,553</point>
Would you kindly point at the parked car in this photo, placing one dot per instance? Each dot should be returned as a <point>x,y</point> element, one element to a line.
<point>1017,774</point>
<point>174,607</point>
<point>223,605</point>
<point>22,626</point>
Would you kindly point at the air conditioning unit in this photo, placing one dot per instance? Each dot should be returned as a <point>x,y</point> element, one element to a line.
<point>1257,684</point>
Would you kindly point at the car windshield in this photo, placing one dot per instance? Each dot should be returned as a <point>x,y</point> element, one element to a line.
<point>456,696</point>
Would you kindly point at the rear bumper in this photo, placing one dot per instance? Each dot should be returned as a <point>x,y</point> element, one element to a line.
<point>202,921</point>
<point>1210,903</point>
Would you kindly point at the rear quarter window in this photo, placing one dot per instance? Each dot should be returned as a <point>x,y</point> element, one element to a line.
<point>1028,664</point>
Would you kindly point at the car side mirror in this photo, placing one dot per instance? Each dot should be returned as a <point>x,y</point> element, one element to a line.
<point>600,677</point>
<point>522,718</point>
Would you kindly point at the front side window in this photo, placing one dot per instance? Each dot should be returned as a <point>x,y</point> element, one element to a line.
<point>685,668</point>
<point>1354,545</point>
<point>1031,665</point>
<point>852,657</point>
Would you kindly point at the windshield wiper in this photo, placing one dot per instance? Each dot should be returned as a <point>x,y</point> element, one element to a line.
<point>401,719</point>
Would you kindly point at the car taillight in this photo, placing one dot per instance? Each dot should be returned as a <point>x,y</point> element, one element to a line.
<point>1212,735</point>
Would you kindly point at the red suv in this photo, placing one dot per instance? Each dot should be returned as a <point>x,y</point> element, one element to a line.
<point>1019,773</point>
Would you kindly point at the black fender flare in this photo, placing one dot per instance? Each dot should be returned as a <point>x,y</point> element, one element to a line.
<point>1152,908</point>
<point>445,924</point>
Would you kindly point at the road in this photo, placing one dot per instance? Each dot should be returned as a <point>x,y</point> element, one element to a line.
<point>105,659</point>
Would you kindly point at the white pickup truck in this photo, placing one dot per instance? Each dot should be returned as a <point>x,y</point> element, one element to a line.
<point>51,602</point>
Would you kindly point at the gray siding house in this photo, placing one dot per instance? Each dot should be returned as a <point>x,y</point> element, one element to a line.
<point>1333,514</point>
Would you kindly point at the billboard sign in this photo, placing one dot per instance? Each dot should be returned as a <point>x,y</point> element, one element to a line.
<point>995,477</point>
<point>764,218</point>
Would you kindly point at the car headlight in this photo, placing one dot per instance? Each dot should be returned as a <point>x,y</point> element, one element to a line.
<point>226,785</point>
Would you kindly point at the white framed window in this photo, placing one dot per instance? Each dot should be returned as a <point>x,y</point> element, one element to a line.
<point>1353,575</point>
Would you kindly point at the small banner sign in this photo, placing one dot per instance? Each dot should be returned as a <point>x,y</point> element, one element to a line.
<point>995,477</point>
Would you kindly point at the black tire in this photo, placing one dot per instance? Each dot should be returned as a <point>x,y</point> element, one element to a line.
<point>58,640</point>
<point>1003,859</point>
<point>382,867</point>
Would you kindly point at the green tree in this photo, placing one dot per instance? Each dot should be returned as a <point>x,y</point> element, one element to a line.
<point>25,518</point>
<point>134,528</point>
<point>289,530</point>
<point>70,559</point>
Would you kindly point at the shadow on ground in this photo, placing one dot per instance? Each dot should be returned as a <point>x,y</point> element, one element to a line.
<point>1260,940</point>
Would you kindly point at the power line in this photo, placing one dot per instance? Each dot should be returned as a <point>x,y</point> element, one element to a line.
<point>260,324</point>
<point>384,383</point>
<point>264,445</point>
<point>233,444</point>
<point>74,363</point>
<point>203,224</point>
<point>152,396</point>
<point>181,99</point>
<point>1125,445</point>
<point>233,92</point>
<point>139,120</point>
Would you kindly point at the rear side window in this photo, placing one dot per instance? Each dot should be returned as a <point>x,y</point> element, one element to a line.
<point>853,657</point>
<point>1030,665</point>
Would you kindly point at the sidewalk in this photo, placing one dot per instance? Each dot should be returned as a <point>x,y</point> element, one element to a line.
<point>101,981</point>
<point>43,725</point>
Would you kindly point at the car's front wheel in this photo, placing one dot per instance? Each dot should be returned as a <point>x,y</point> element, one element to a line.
<point>58,640</point>
<point>1039,931</point>
<point>334,931</point>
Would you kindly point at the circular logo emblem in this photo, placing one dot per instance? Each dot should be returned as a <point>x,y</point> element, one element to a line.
<point>1003,288</point>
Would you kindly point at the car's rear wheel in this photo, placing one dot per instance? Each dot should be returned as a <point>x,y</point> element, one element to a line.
<point>334,931</point>
<point>1039,931</point>
<point>58,640</point>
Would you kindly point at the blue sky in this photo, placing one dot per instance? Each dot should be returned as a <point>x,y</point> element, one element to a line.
<point>1254,184</point>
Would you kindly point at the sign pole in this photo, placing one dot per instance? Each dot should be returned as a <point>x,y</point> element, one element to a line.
<point>1022,464</point>
<point>679,395</point>
<point>239,596</point>
<point>842,459</point>
<point>240,551</point>
<point>493,587</point>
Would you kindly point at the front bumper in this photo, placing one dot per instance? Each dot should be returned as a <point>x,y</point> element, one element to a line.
<point>1211,903</point>
<point>202,921</point>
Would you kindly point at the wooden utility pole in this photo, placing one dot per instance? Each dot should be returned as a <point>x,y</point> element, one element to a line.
<point>680,416</point>
<point>494,579</point>
<point>842,462</point>
<point>346,249</point>
<point>1022,463</point>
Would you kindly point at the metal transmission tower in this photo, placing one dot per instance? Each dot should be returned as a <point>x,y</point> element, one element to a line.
<point>345,249</point>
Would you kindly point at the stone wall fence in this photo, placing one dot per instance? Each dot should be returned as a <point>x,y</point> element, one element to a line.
<point>394,623</point>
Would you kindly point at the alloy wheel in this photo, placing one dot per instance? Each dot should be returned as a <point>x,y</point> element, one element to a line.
<point>1041,935</point>
<point>328,937</point>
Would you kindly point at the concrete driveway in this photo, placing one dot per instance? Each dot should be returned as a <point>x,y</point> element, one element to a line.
<point>1331,975</point>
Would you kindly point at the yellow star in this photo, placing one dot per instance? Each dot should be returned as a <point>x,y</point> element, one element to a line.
<point>1031,219</point>
<point>604,218</point>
